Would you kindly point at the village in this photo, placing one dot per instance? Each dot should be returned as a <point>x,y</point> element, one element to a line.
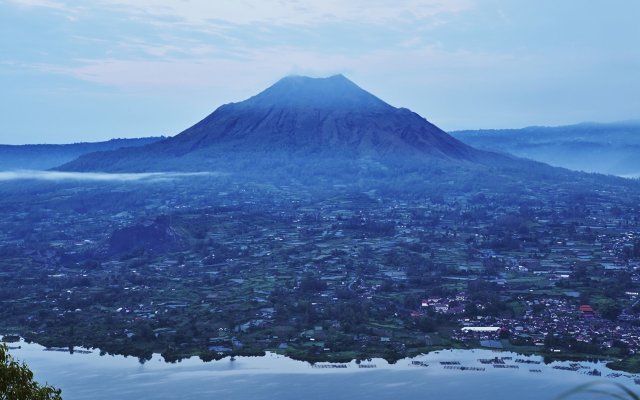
<point>328,277</point>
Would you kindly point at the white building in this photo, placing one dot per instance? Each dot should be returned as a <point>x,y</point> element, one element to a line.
<point>481,329</point>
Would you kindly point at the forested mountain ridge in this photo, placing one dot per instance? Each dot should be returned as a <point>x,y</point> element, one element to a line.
<point>46,156</point>
<point>608,148</point>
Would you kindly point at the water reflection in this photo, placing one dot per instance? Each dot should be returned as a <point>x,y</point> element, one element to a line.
<point>452,374</point>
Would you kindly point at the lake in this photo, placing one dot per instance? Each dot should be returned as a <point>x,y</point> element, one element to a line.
<point>437,375</point>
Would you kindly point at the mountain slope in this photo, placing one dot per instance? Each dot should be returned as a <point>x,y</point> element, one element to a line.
<point>612,148</point>
<point>298,117</point>
<point>46,156</point>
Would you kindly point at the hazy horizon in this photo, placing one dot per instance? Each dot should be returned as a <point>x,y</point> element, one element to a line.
<point>116,137</point>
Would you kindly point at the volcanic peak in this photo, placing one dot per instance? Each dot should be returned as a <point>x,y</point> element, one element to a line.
<point>334,92</point>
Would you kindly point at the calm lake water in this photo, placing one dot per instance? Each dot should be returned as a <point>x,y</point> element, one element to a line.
<point>91,376</point>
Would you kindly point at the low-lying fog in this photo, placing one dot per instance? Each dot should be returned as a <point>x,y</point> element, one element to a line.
<point>95,176</point>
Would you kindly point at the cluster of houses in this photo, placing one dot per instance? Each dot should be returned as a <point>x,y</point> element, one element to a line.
<point>442,304</point>
<point>557,317</point>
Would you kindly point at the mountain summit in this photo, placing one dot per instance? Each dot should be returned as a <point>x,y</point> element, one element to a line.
<point>334,92</point>
<point>297,117</point>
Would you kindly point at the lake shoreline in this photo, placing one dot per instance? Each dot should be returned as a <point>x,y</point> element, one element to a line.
<point>487,374</point>
<point>297,354</point>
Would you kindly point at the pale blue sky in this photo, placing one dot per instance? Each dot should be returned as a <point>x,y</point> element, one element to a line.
<point>88,70</point>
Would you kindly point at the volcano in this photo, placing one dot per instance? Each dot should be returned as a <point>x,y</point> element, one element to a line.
<point>299,118</point>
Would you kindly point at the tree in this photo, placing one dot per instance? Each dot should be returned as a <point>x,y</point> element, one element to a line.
<point>609,309</point>
<point>311,284</point>
<point>16,381</point>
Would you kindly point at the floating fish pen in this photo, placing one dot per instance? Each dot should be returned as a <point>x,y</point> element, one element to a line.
<point>419,363</point>
<point>578,366</point>
<point>523,361</point>
<point>505,366</point>
<point>61,349</point>
<point>367,366</point>
<point>449,362</point>
<point>565,368</point>
<point>535,370</point>
<point>506,358</point>
<point>463,368</point>
<point>329,366</point>
<point>495,360</point>
<point>593,372</point>
<point>636,381</point>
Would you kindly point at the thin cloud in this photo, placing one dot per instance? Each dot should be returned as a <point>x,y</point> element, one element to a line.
<point>205,13</point>
<point>282,12</point>
<point>57,5</point>
<point>273,62</point>
<point>231,46</point>
<point>69,11</point>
